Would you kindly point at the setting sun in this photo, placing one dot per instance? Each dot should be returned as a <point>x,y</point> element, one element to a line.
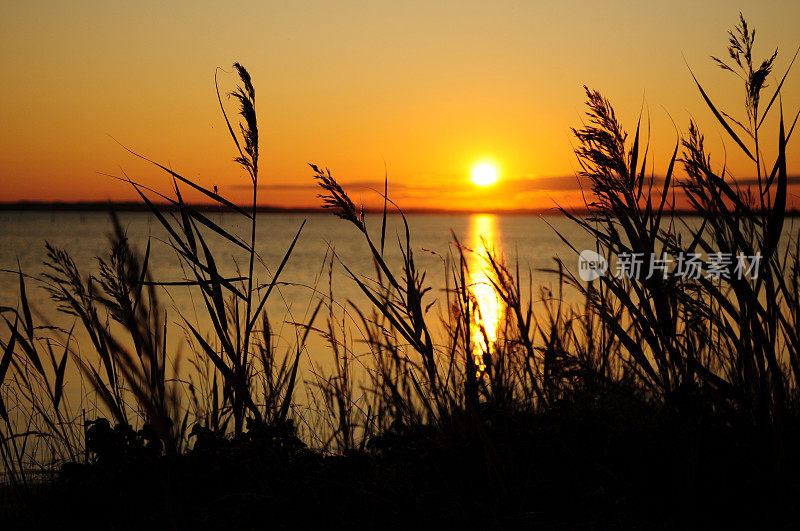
<point>484,174</point>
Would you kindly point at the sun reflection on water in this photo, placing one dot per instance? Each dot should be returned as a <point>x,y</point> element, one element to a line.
<point>488,310</point>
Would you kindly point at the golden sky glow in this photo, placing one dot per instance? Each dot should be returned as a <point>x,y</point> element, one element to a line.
<point>426,88</point>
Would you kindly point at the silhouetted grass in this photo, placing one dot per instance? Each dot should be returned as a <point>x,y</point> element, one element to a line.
<point>659,401</point>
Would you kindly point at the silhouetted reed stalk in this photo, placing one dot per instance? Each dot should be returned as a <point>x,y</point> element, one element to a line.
<point>419,377</point>
<point>235,305</point>
<point>753,317</point>
<point>727,344</point>
<point>129,374</point>
<point>400,300</point>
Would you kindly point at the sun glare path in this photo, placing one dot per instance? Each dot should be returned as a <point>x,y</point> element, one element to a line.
<point>484,174</point>
<point>488,311</point>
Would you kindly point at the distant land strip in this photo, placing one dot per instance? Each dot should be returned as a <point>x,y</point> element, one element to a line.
<point>133,206</point>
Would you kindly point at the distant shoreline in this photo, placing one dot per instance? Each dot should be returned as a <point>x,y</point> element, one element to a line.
<point>130,206</point>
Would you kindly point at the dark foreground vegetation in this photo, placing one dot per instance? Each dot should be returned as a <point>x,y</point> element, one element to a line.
<point>660,402</point>
<point>620,464</point>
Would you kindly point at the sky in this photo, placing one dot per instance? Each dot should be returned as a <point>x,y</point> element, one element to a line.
<point>421,91</point>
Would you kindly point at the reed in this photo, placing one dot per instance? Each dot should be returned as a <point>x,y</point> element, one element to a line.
<point>414,370</point>
<point>235,305</point>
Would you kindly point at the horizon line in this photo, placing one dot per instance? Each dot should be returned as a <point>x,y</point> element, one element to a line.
<point>134,206</point>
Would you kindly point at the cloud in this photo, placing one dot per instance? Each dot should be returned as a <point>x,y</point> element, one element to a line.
<point>449,186</point>
<point>451,192</point>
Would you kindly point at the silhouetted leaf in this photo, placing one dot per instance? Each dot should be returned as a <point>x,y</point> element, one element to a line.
<point>274,280</point>
<point>775,223</point>
<point>60,370</point>
<point>26,310</point>
<point>721,119</point>
<point>777,90</point>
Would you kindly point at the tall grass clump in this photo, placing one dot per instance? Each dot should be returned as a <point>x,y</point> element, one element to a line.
<point>752,317</point>
<point>242,382</point>
<point>433,361</point>
<point>131,377</point>
<point>719,342</point>
<point>555,399</point>
<point>240,346</point>
<point>39,424</point>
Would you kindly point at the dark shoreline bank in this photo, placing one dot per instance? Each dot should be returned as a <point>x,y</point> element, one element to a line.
<point>36,206</point>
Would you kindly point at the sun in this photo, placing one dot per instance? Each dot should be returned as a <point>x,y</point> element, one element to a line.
<point>484,174</point>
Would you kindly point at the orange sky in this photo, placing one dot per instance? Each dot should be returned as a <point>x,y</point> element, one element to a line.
<point>429,88</point>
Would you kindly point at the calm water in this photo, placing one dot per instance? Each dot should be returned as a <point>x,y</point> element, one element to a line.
<point>531,240</point>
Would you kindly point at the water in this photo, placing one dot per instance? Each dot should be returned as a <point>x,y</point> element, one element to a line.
<point>85,236</point>
<point>530,240</point>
